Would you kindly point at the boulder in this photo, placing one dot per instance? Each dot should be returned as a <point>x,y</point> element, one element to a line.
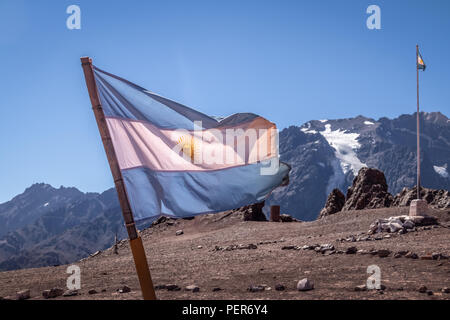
<point>335,203</point>
<point>368,191</point>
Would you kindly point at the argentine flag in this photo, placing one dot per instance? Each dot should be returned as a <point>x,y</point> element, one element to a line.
<point>178,162</point>
<point>420,63</point>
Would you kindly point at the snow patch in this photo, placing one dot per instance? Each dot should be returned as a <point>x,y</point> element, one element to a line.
<point>307,130</point>
<point>344,144</point>
<point>323,121</point>
<point>46,204</point>
<point>369,123</point>
<point>442,171</point>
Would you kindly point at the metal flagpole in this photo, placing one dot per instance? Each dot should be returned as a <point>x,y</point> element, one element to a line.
<point>137,248</point>
<point>418,124</point>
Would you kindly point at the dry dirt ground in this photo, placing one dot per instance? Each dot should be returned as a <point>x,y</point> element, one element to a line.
<point>190,259</point>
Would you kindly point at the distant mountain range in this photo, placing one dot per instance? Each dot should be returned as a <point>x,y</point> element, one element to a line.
<point>48,226</point>
<point>327,154</point>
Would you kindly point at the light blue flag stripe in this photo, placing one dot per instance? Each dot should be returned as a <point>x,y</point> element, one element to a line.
<point>188,193</point>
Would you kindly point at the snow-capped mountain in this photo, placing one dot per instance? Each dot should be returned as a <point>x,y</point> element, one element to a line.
<point>327,154</point>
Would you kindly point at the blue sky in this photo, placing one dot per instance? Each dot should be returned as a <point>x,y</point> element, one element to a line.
<point>289,61</point>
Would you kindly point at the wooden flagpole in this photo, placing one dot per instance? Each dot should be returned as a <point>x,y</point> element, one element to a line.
<point>137,248</point>
<point>418,124</point>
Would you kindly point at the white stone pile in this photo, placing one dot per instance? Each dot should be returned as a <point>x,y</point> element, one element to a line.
<point>398,224</point>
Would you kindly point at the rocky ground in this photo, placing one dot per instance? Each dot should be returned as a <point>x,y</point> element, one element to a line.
<point>224,256</point>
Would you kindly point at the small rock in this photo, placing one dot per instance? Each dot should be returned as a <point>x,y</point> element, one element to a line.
<point>383,253</point>
<point>124,289</point>
<point>305,285</point>
<point>279,287</point>
<point>23,295</point>
<point>438,256</point>
<point>255,288</point>
<point>429,292</point>
<point>288,248</point>
<point>408,224</point>
<point>445,290</point>
<point>422,289</point>
<point>96,253</point>
<point>361,288</point>
<point>192,288</point>
<point>326,247</point>
<point>351,250</point>
<point>173,287</point>
<point>216,289</point>
<point>411,255</point>
<point>427,257</point>
<point>160,287</point>
<point>199,247</point>
<point>92,291</point>
<point>179,233</point>
<point>70,293</point>
<point>286,218</point>
<point>52,293</point>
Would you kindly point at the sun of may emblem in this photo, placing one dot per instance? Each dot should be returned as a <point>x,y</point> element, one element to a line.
<point>189,146</point>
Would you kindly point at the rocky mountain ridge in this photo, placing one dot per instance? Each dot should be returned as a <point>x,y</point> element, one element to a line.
<point>327,154</point>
